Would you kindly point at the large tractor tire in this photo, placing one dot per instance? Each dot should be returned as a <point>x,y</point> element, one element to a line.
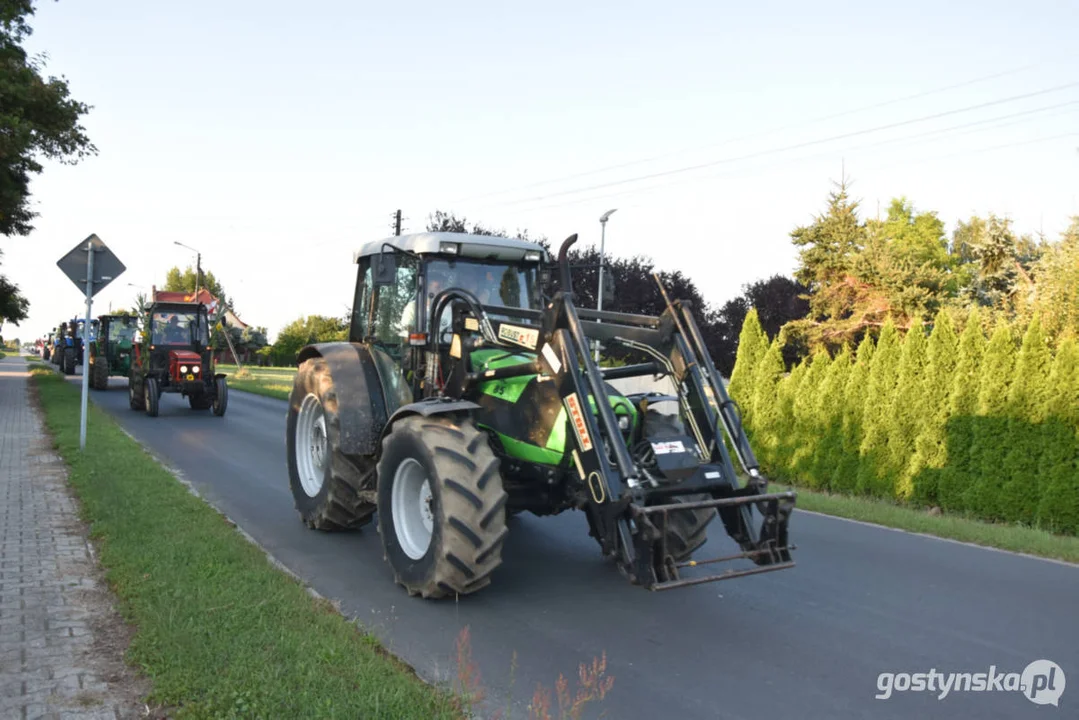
<point>135,390</point>
<point>325,483</point>
<point>99,373</point>
<point>687,530</point>
<point>220,401</point>
<point>152,397</point>
<point>69,361</point>
<point>441,506</point>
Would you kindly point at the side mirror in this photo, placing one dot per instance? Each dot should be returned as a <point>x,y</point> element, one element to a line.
<point>384,269</point>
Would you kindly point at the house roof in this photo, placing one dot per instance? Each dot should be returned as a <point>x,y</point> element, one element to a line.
<point>205,297</point>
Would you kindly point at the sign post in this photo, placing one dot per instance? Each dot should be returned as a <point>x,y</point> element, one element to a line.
<point>90,274</point>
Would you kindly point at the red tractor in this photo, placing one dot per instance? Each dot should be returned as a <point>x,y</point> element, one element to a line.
<point>175,356</point>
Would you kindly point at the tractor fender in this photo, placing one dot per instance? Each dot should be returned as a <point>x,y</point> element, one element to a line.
<point>361,409</point>
<point>429,407</point>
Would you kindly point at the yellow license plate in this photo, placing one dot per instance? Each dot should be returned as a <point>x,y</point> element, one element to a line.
<point>190,376</point>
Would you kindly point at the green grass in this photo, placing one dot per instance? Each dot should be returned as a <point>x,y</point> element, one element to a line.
<point>220,631</point>
<point>1005,537</point>
<point>271,382</point>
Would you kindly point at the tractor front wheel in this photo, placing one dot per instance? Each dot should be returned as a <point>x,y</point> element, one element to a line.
<point>69,361</point>
<point>152,396</point>
<point>441,506</point>
<point>221,396</point>
<point>134,393</point>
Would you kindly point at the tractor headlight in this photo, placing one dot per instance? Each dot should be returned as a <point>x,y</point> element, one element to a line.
<point>195,369</point>
<point>183,369</point>
<point>623,422</point>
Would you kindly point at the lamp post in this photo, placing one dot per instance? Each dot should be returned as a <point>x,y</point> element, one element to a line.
<point>602,242</point>
<point>198,265</point>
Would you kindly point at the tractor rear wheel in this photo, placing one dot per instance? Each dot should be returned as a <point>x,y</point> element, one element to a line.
<point>325,482</point>
<point>441,506</point>
<point>69,361</point>
<point>152,396</point>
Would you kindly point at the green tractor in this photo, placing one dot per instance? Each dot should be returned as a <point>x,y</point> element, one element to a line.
<point>112,349</point>
<point>465,395</point>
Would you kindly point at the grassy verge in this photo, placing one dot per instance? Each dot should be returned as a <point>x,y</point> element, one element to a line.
<point>220,631</point>
<point>1005,537</point>
<point>271,382</point>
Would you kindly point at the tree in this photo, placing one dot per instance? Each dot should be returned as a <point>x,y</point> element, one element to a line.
<point>765,407</point>
<point>991,429</point>
<point>1028,403</point>
<point>14,307</point>
<point>956,477</point>
<point>177,280</point>
<point>752,345</point>
<point>1058,508</point>
<point>39,120</point>
<point>906,414</point>
<point>931,445</point>
<point>305,331</point>
<point>880,386</point>
<point>845,477</point>
<point>777,301</point>
<point>1056,291</point>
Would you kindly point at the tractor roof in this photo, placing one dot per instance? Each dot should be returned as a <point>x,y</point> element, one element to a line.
<point>486,247</point>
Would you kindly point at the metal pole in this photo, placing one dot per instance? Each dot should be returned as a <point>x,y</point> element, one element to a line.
<point>198,273</point>
<point>86,337</point>
<point>599,293</point>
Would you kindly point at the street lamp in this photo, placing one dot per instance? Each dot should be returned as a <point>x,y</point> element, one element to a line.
<point>602,242</point>
<point>198,265</point>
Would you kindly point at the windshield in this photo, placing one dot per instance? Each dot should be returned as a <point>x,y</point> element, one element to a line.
<point>493,283</point>
<point>179,328</point>
<point>122,331</point>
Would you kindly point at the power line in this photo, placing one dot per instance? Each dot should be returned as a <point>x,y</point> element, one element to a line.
<point>751,136</point>
<point>796,146</point>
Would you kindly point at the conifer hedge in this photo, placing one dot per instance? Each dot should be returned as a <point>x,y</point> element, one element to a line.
<point>983,427</point>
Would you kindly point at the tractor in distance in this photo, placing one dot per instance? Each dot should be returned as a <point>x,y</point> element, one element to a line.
<point>111,351</point>
<point>59,333</point>
<point>466,394</point>
<point>74,338</point>
<point>46,346</point>
<point>176,357</point>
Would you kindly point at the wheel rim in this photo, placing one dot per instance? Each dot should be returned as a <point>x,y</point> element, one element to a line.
<point>411,504</point>
<point>311,445</point>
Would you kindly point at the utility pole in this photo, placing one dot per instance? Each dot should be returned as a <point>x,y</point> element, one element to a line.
<point>397,223</point>
<point>602,242</point>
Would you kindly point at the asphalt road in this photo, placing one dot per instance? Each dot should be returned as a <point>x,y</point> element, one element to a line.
<point>807,643</point>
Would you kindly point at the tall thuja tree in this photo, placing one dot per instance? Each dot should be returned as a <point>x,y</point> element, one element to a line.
<point>752,345</point>
<point>787,393</point>
<point>1028,403</point>
<point>845,476</point>
<point>907,413</point>
<point>765,409</point>
<point>828,443</point>
<point>806,431</point>
<point>931,447</point>
<point>1058,509</point>
<point>883,374</point>
<point>955,476</point>
<point>988,448</point>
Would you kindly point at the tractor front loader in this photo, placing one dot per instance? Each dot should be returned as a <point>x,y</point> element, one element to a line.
<point>447,416</point>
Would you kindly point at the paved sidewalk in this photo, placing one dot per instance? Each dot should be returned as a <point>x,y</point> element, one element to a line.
<point>60,639</point>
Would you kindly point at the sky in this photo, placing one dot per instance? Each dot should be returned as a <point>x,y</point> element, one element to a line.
<point>277,139</point>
